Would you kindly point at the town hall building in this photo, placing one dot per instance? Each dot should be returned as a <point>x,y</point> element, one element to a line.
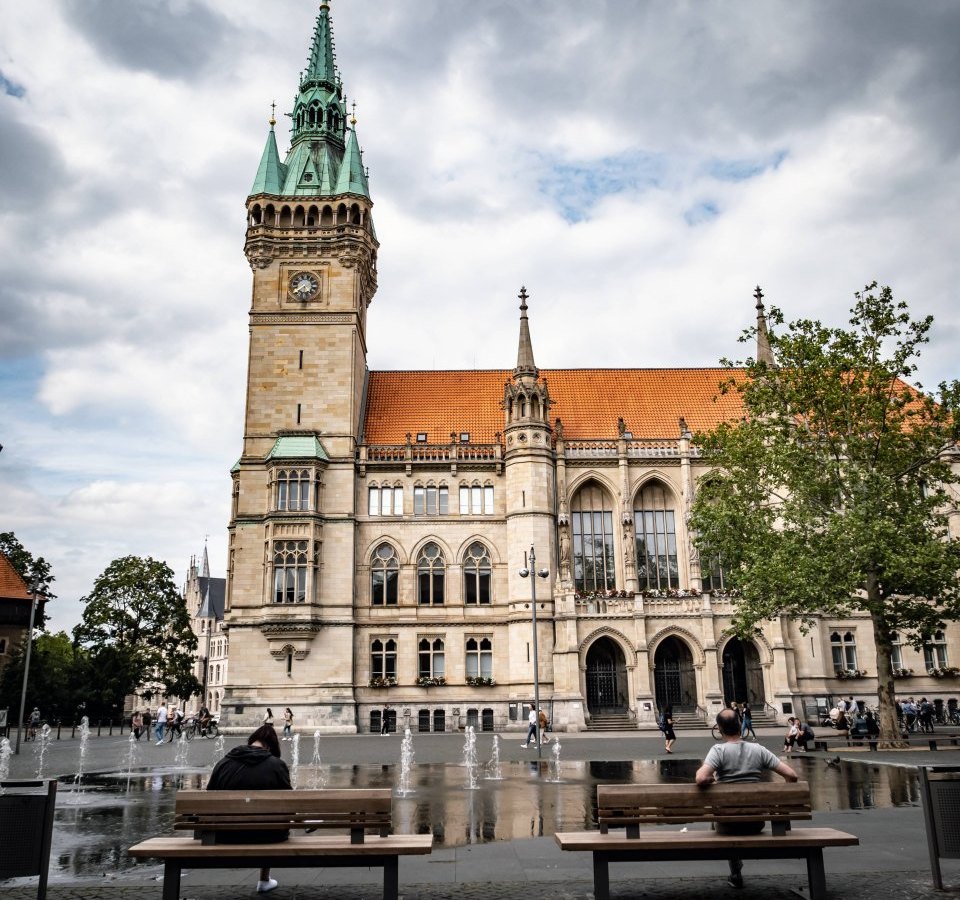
<point>380,519</point>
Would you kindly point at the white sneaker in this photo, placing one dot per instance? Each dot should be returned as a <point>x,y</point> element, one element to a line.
<point>264,887</point>
<point>524,746</point>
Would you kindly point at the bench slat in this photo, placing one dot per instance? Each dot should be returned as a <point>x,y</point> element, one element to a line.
<point>213,802</point>
<point>660,839</point>
<point>296,846</point>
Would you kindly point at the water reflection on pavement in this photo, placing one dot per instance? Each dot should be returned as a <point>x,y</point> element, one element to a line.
<point>96,825</point>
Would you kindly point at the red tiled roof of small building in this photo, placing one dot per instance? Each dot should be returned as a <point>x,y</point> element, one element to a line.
<point>588,401</point>
<point>12,586</point>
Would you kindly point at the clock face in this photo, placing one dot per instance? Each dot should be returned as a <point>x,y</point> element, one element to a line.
<point>304,286</point>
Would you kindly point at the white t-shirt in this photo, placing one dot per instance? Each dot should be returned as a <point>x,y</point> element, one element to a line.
<point>162,714</point>
<point>532,718</point>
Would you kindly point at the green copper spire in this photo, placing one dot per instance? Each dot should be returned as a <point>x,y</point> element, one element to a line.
<point>353,177</point>
<point>272,172</point>
<point>320,66</point>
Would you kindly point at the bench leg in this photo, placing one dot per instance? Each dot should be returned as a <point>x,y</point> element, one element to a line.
<point>815,874</point>
<point>171,879</point>
<point>601,876</point>
<point>391,878</point>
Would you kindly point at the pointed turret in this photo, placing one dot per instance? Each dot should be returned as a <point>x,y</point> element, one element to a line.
<point>525,363</point>
<point>321,66</point>
<point>205,565</point>
<point>272,172</point>
<point>353,177</point>
<point>764,353</point>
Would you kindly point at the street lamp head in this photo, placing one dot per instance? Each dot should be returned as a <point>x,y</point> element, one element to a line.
<point>543,573</point>
<point>524,573</point>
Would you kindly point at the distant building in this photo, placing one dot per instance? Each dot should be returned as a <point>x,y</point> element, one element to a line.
<point>15,601</point>
<point>203,597</point>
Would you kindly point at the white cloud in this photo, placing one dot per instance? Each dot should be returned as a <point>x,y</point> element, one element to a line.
<point>589,152</point>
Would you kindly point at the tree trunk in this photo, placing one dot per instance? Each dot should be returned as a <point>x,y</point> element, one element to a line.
<point>890,736</point>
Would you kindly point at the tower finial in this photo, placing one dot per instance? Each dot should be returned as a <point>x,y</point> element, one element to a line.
<point>273,114</point>
<point>764,351</point>
<point>525,363</point>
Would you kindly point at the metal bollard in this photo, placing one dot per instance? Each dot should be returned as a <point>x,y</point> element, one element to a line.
<point>99,726</point>
<point>73,730</point>
<point>933,745</point>
<point>59,725</point>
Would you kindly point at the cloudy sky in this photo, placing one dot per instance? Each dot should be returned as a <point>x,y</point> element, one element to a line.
<point>639,166</point>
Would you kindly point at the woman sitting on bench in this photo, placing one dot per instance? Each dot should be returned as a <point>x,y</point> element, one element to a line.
<point>257,766</point>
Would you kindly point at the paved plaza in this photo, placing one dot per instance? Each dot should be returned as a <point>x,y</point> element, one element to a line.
<point>891,860</point>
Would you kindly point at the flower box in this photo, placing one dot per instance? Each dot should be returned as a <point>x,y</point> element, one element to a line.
<point>379,681</point>
<point>480,681</point>
<point>948,672</point>
<point>850,673</point>
<point>902,673</point>
<point>426,681</point>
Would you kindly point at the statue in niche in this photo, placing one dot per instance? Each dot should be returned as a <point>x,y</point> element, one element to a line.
<point>565,552</point>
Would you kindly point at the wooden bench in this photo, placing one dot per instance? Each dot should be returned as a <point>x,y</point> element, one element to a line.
<point>633,805</point>
<point>213,815</point>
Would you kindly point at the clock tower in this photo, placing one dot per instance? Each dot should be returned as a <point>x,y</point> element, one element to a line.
<point>312,248</point>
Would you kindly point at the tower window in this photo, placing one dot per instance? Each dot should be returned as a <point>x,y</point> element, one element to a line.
<point>293,489</point>
<point>290,571</point>
<point>476,575</point>
<point>298,413</point>
<point>301,359</point>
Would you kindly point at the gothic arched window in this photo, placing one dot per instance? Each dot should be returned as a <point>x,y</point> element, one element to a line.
<point>290,571</point>
<point>430,658</point>
<point>384,576</point>
<point>293,489</point>
<point>383,659</point>
<point>592,519</point>
<point>479,658</point>
<point>430,575</point>
<point>476,575</point>
<point>656,535</point>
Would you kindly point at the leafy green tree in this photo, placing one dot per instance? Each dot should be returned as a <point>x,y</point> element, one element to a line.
<point>833,495</point>
<point>137,630</point>
<point>56,673</point>
<point>30,568</point>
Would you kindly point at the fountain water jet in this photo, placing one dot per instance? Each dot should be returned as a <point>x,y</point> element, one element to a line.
<point>319,779</point>
<point>294,760</point>
<point>554,775</point>
<point>470,757</point>
<point>6,751</point>
<point>406,763</point>
<point>218,748</point>
<point>494,771</point>
<point>41,750</point>
<point>84,740</point>
<point>132,745</point>
<point>182,749</point>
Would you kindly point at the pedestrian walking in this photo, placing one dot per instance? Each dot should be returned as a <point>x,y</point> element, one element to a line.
<point>268,717</point>
<point>543,722</point>
<point>161,722</point>
<point>531,727</point>
<point>384,720</point>
<point>136,723</point>
<point>287,723</point>
<point>258,767</point>
<point>734,761</point>
<point>746,721</point>
<point>666,726</point>
<point>34,724</point>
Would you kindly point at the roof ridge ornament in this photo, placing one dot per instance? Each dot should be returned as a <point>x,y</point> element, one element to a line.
<point>525,363</point>
<point>764,351</point>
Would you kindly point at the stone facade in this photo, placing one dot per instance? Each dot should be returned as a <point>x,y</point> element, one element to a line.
<point>374,560</point>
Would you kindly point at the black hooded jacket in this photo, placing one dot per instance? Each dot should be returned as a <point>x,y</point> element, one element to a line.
<point>250,768</point>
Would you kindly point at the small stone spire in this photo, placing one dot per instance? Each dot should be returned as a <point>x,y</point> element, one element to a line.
<point>321,66</point>
<point>205,565</point>
<point>764,353</point>
<point>525,363</point>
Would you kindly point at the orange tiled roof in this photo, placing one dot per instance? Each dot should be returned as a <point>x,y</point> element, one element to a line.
<point>589,401</point>
<point>12,586</point>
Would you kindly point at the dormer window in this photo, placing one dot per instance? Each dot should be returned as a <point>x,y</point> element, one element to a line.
<point>464,437</point>
<point>308,176</point>
<point>421,437</point>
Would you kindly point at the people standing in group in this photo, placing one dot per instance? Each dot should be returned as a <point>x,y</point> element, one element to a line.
<point>268,717</point>
<point>287,723</point>
<point>256,766</point>
<point>161,722</point>
<point>543,722</point>
<point>910,715</point>
<point>384,720</point>
<point>732,760</point>
<point>532,721</point>
<point>666,726</point>
<point>925,715</point>
<point>136,723</point>
<point>746,721</point>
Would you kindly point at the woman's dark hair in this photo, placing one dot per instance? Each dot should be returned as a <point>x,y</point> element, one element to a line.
<point>268,737</point>
<point>269,711</point>
<point>289,710</point>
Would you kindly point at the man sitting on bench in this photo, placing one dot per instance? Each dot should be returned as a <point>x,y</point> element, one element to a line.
<point>256,766</point>
<point>734,760</point>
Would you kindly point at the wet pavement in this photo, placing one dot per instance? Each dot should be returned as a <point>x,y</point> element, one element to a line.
<point>499,834</point>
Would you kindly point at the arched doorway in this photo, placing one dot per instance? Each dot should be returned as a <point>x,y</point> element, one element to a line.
<point>606,677</point>
<point>674,679</point>
<point>742,673</point>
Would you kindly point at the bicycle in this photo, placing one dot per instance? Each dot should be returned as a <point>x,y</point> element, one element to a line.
<point>196,729</point>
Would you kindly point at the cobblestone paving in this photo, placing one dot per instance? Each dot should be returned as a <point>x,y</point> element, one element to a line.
<point>867,886</point>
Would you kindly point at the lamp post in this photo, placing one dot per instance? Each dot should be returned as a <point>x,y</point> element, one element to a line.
<point>543,573</point>
<point>34,588</point>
